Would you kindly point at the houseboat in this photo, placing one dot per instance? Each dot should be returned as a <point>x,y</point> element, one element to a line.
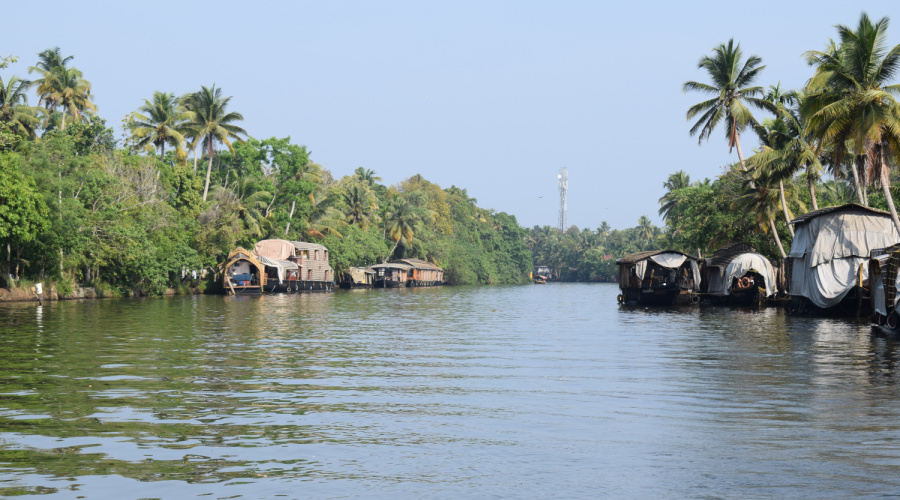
<point>541,272</point>
<point>883,273</point>
<point>736,274</point>
<point>278,266</point>
<point>407,272</point>
<point>357,277</point>
<point>659,277</point>
<point>829,260</point>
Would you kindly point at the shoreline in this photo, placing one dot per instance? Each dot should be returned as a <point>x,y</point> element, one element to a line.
<point>79,293</point>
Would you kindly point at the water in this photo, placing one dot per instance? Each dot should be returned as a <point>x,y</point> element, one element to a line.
<point>488,392</point>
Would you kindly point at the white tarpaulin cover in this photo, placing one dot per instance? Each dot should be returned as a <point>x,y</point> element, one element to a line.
<point>670,260</point>
<point>739,266</point>
<point>828,249</point>
<point>279,265</point>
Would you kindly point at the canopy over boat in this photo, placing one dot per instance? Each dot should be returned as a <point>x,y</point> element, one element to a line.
<point>829,246</point>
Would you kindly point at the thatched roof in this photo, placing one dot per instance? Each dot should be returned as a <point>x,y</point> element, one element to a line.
<point>639,256</point>
<point>723,256</point>
<point>841,208</point>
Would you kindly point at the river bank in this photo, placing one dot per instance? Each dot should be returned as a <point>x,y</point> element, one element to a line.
<point>25,294</point>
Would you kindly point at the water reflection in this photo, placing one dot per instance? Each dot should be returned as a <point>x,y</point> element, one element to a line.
<point>499,391</point>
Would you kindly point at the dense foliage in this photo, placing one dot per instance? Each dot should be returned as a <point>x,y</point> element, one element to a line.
<point>79,209</point>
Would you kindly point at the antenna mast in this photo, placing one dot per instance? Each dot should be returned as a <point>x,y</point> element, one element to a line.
<point>563,191</point>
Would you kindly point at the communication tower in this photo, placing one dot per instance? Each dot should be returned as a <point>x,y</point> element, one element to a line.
<point>563,190</point>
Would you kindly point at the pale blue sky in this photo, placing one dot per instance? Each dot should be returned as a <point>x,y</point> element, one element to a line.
<point>492,96</point>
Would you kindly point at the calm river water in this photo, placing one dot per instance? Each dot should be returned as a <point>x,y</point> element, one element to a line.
<point>488,392</point>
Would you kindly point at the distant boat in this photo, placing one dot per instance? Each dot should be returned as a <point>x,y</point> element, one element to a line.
<point>540,280</point>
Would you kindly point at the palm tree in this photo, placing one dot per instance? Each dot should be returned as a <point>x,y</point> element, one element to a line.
<point>60,86</point>
<point>15,113</point>
<point>851,108</point>
<point>158,122</point>
<point>210,123</point>
<point>402,221</point>
<point>676,181</point>
<point>761,200</point>
<point>245,204</point>
<point>361,204</point>
<point>730,90</point>
<point>367,176</point>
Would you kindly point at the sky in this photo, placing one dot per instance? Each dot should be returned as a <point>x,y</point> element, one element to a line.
<point>491,96</point>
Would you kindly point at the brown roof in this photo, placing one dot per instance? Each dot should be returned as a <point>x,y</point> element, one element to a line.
<point>639,256</point>
<point>393,265</point>
<point>841,208</point>
<point>302,245</point>
<point>419,264</point>
<point>726,254</point>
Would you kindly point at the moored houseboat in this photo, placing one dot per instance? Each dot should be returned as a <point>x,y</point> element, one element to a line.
<point>391,274</point>
<point>423,273</point>
<point>884,271</point>
<point>278,266</point>
<point>542,273</point>
<point>407,272</point>
<point>659,277</point>
<point>829,260</point>
<point>357,277</point>
<point>737,274</point>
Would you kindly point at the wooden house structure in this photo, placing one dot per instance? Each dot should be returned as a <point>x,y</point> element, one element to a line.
<point>736,274</point>
<point>884,270</point>
<point>659,277</point>
<point>829,259</point>
<point>278,266</point>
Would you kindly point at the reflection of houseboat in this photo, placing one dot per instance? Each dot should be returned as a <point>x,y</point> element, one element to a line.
<point>278,266</point>
<point>407,272</point>
<point>357,277</point>
<point>829,260</point>
<point>659,277</point>
<point>736,274</point>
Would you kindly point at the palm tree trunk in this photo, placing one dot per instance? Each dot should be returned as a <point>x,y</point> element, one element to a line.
<point>812,192</point>
<point>886,187</point>
<point>287,226</point>
<point>208,172</point>
<point>63,127</point>
<point>784,208</point>
<point>777,239</point>
<point>737,144</point>
<point>395,247</point>
<point>856,181</point>
<point>195,158</point>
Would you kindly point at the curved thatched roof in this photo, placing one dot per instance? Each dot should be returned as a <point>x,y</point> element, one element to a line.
<point>639,256</point>
<point>723,256</point>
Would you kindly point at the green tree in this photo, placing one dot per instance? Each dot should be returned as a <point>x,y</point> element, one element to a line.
<point>157,122</point>
<point>212,123</point>
<point>852,108</point>
<point>15,114</point>
<point>676,181</point>
<point>23,213</point>
<point>731,92</point>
